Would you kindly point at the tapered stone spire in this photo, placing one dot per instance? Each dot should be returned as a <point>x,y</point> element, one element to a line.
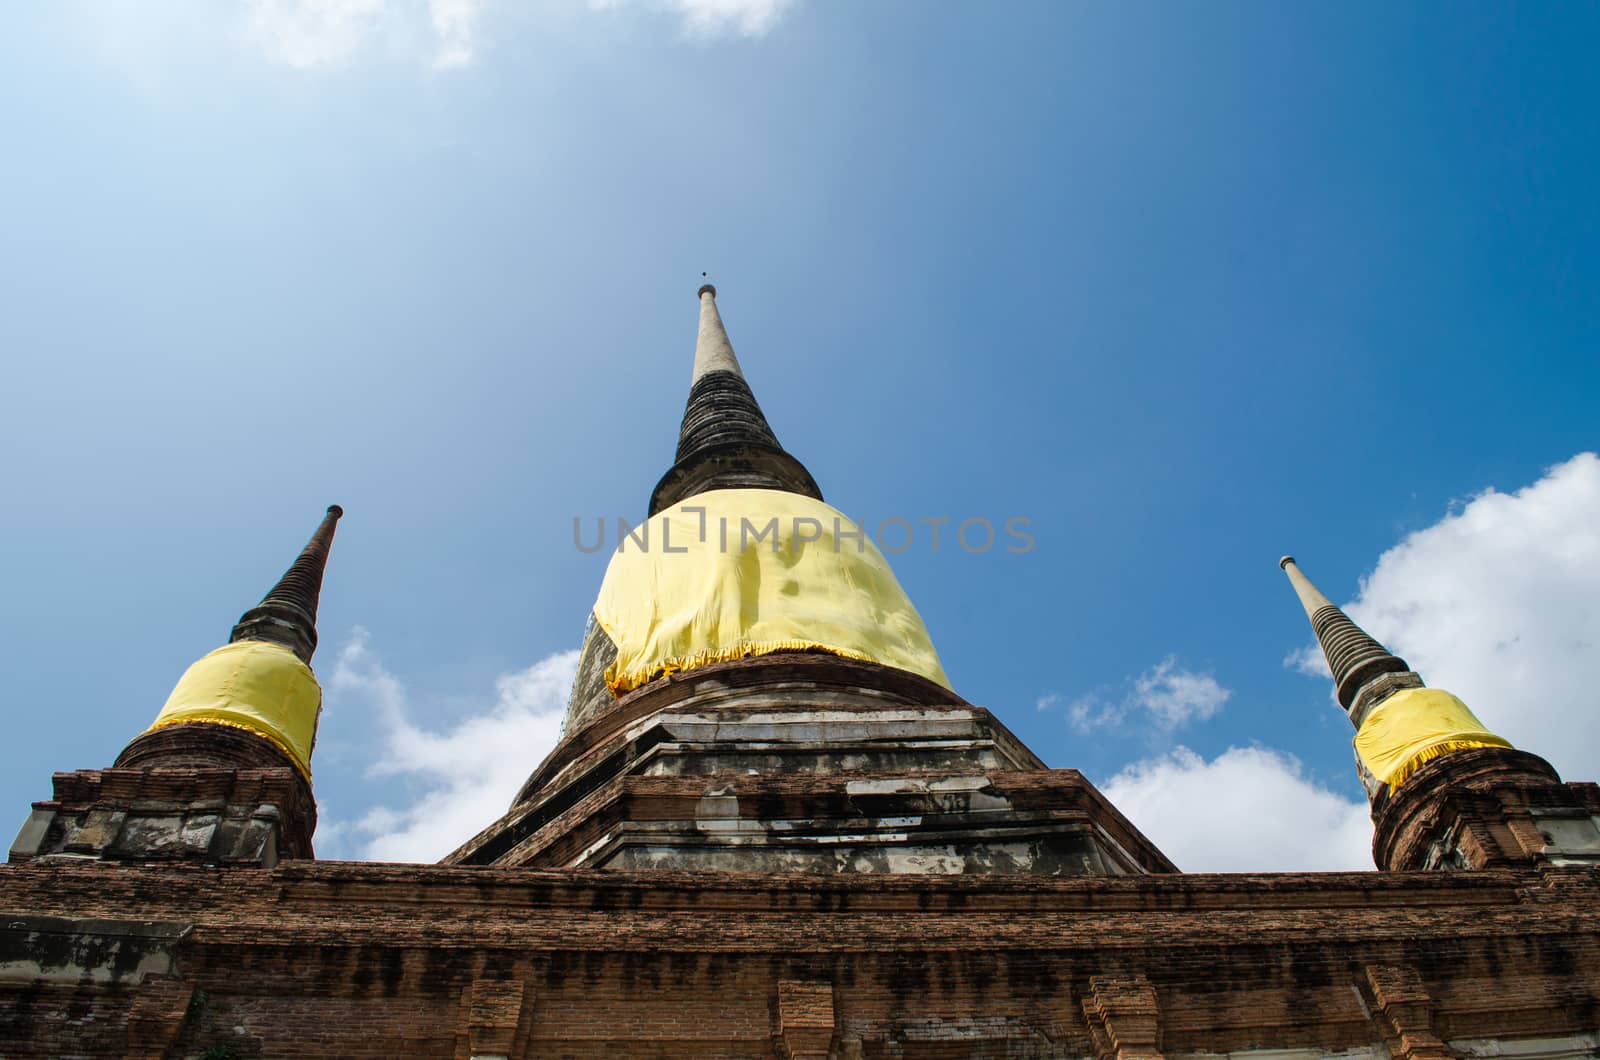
<point>712,350</point>
<point>725,441</point>
<point>287,615</point>
<point>223,774</point>
<point>1353,656</point>
<point>1446,792</point>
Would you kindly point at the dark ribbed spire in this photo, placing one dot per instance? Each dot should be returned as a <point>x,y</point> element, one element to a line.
<point>722,408</point>
<point>1353,656</point>
<point>725,441</point>
<point>288,614</point>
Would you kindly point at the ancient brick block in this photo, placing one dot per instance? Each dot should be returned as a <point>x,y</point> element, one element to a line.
<point>155,1017</point>
<point>805,1019</point>
<point>1124,1018</point>
<point>494,1019</point>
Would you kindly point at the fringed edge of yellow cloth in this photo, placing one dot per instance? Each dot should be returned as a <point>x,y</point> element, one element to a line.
<point>620,683</point>
<point>273,738</point>
<point>1439,750</point>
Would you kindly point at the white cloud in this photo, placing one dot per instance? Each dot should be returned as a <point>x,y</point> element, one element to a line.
<point>455,25</point>
<point>1309,660</point>
<point>307,33</point>
<point>329,33</point>
<point>1251,809</point>
<point>1090,712</point>
<point>465,775</point>
<point>1176,696</point>
<point>1499,602</point>
<point>1171,695</point>
<point>749,18</point>
<point>716,18</point>
<point>147,38</point>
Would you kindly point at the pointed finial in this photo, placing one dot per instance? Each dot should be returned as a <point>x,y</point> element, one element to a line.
<point>712,350</point>
<point>724,441</point>
<point>1353,656</point>
<point>287,615</point>
<point>1310,597</point>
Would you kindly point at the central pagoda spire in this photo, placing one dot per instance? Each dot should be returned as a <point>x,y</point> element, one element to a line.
<point>725,441</point>
<point>757,693</point>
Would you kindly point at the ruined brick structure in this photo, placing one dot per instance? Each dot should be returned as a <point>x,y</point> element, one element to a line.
<point>772,829</point>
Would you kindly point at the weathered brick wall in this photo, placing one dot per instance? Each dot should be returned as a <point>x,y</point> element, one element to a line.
<point>327,959</point>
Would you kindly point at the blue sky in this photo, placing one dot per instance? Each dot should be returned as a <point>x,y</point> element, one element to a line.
<point>1187,286</point>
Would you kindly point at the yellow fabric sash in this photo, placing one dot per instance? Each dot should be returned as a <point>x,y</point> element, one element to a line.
<point>256,686</point>
<point>733,573</point>
<point>1414,726</point>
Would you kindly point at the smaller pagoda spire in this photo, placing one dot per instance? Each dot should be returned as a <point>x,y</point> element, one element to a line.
<point>287,615</point>
<point>1353,656</point>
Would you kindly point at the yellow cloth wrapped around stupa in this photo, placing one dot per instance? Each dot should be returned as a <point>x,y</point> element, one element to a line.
<point>732,573</point>
<point>1415,726</point>
<point>254,685</point>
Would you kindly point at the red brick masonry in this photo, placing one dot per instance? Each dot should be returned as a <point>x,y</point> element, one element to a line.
<point>327,959</point>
